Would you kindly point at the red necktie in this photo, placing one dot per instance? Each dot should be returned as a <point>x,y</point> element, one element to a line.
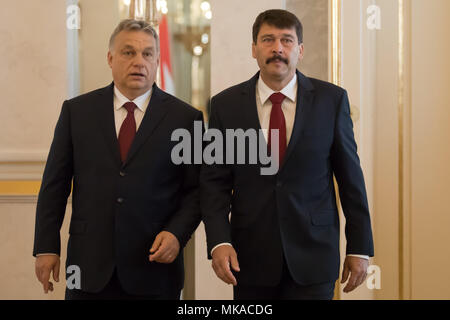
<point>277,121</point>
<point>127,131</point>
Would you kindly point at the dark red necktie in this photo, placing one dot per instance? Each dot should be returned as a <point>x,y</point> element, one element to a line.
<point>277,121</point>
<point>127,131</point>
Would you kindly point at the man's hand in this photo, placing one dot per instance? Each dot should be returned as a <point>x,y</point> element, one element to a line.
<point>358,269</point>
<point>44,265</point>
<point>222,257</point>
<point>165,248</point>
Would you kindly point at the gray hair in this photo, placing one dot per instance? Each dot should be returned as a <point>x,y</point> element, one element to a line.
<point>134,25</point>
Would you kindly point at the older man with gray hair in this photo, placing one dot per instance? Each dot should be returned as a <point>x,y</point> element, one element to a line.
<point>133,210</point>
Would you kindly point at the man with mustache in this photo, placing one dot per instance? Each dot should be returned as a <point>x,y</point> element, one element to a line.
<point>282,241</point>
<point>133,209</point>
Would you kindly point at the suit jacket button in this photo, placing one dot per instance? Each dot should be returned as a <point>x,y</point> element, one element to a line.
<point>120,200</point>
<point>279,184</point>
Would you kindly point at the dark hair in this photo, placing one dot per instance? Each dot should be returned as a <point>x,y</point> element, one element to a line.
<point>134,25</point>
<point>281,19</point>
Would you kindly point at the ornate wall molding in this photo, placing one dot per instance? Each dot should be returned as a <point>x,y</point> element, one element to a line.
<point>21,170</point>
<point>20,199</point>
<point>22,165</point>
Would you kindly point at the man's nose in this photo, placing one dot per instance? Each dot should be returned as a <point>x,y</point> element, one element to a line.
<point>139,60</point>
<point>277,47</point>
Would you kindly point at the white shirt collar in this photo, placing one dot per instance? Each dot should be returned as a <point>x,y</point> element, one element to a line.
<point>139,101</point>
<point>290,90</point>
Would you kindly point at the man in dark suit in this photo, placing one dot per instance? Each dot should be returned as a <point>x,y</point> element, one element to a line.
<point>282,241</point>
<point>133,209</point>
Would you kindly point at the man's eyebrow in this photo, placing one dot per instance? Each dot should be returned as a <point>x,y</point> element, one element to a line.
<point>127,46</point>
<point>267,35</point>
<point>286,35</point>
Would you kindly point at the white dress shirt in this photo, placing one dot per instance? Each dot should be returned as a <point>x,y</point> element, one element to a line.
<point>120,113</point>
<point>264,105</point>
<point>289,106</point>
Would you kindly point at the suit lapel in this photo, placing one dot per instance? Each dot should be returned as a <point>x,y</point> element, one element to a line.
<point>155,113</point>
<point>105,117</point>
<point>250,111</point>
<point>304,104</point>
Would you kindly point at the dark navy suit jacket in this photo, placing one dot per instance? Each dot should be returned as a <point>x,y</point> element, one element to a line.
<point>292,215</point>
<point>118,208</point>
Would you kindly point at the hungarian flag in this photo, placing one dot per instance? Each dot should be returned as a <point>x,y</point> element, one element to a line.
<point>167,83</point>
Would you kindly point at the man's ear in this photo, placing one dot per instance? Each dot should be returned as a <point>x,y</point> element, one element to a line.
<point>301,49</point>
<point>253,50</point>
<point>110,57</point>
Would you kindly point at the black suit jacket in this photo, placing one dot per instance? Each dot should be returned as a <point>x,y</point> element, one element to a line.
<point>292,214</point>
<point>118,209</point>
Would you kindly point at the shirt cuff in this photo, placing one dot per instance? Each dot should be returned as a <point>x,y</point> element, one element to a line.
<point>359,256</point>
<point>46,254</point>
<point>221,244</point>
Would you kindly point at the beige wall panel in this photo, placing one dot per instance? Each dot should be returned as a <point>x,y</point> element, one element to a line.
<point>430,149</point>
<point>98,20</point>
<point>386,206</point>
<point>358,78</point>
<point>314,17</point>
<point>17,276</point>
<point>33,76</point>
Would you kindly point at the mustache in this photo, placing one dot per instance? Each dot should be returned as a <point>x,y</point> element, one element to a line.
<point>277,57</point>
